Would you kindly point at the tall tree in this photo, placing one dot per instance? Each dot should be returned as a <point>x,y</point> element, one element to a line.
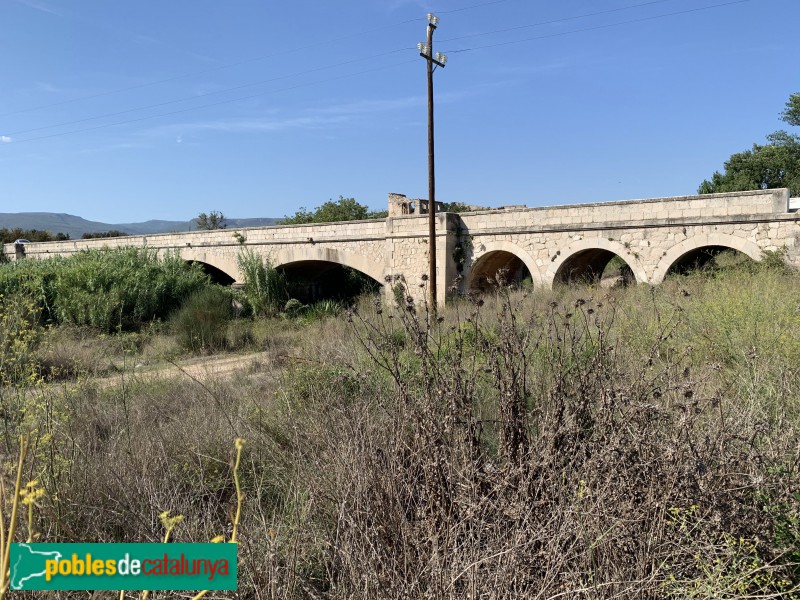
<point>212,220</point>
<point>775,164</point>
<point>344,209</point>
<point>772,165</point>
<point>792,113</point>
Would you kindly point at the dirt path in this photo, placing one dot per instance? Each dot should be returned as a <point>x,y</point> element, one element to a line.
<point>199,368</point>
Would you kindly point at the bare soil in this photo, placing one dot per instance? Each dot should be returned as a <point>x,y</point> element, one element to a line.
<point>198,368</point>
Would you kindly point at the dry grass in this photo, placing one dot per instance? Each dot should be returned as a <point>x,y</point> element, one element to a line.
<point>584,443</point>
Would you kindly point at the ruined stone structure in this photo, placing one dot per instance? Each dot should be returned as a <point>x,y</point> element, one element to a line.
<point>546,245</point>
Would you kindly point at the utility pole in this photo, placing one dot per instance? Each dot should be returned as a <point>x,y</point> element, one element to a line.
<point>426,52</point>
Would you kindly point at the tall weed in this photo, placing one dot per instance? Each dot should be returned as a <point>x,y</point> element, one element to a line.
<point>265,287</point>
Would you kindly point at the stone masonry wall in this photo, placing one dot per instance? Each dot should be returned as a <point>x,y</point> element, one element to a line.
<point>650,235</point>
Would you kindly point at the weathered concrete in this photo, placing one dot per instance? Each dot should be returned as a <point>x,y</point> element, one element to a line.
<point>548,244</point>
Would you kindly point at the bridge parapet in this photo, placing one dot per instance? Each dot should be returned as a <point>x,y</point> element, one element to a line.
<point>276,234</point>
<point>726,207</point>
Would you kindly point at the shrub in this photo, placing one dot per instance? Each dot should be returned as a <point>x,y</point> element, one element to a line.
<point>586,443</point>
<point>19,336</point>
<point>122,289</point>
<point>112,290</point>
<point>321,310</point>
<point>240,334</point>
<point>202,322</point>
<point>527,439</point>
<point>776,260</point>
<point>294,307</point>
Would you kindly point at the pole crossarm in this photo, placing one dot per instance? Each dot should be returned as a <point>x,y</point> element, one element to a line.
<point>433,60</point>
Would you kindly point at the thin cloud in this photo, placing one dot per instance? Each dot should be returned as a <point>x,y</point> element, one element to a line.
<point>5,139</point>
<point>372,106</point>
<point>531,69</point>
<point>146,40</point>
<point>44,87</point>
<point>312,118</point>
<point>115,147</point>
<point>363,107</point>
<point>394,5</point>
<point>40,6</point>
<point>179,130</point>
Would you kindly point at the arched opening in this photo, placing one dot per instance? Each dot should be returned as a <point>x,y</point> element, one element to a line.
<point>313,280</point>
<point>595,266</point>
<point>216,275</point>
<point>708,258</point>
<point>497,268</point>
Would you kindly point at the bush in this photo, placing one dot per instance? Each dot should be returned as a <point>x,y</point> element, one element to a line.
<point>19,336</point>
<point>316,312</point>
<point>112,290</point>
<point>240,334</point>
<point>202,322</point>
<point>530,438</point>
<point>586,443</point>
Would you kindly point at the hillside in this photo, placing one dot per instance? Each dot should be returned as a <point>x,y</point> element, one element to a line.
<point>76,226</point>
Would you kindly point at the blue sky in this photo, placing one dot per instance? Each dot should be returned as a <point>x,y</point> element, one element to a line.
<point>126,111</point>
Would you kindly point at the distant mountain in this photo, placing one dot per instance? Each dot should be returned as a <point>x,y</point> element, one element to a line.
<point>77,226</point>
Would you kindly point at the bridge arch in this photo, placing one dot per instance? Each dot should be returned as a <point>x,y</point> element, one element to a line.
<point>222,264</point>
<point>496,255</point>
<point>367,265</point>
<point>695,243</point>
<point>587,258</point>
<point>314,274</point>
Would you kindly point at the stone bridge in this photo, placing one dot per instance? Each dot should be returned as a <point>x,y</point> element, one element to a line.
<point>546,245</point>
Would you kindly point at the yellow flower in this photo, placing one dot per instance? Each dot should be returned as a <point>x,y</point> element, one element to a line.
<point>168,522</point>
<point>31,493</point>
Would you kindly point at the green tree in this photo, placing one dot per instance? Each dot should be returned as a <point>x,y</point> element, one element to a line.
<point>103,234</point>
<point>775,164</point>
<point>212,220</point>
<point>344,209</point>
<point>34,235</point>
<point>454,207</point>
<point>7,236</point>
<point>792,113</point>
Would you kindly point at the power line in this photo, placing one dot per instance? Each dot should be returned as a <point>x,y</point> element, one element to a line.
<point>271,80</point>
<point>488,46</point>
<point>184,110</point>
<point>455,10</point>
<point>204,95</point>
<point>561,20</point>
<point>607,26</point>
<point>209,70</point>
<point>240,62</point>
